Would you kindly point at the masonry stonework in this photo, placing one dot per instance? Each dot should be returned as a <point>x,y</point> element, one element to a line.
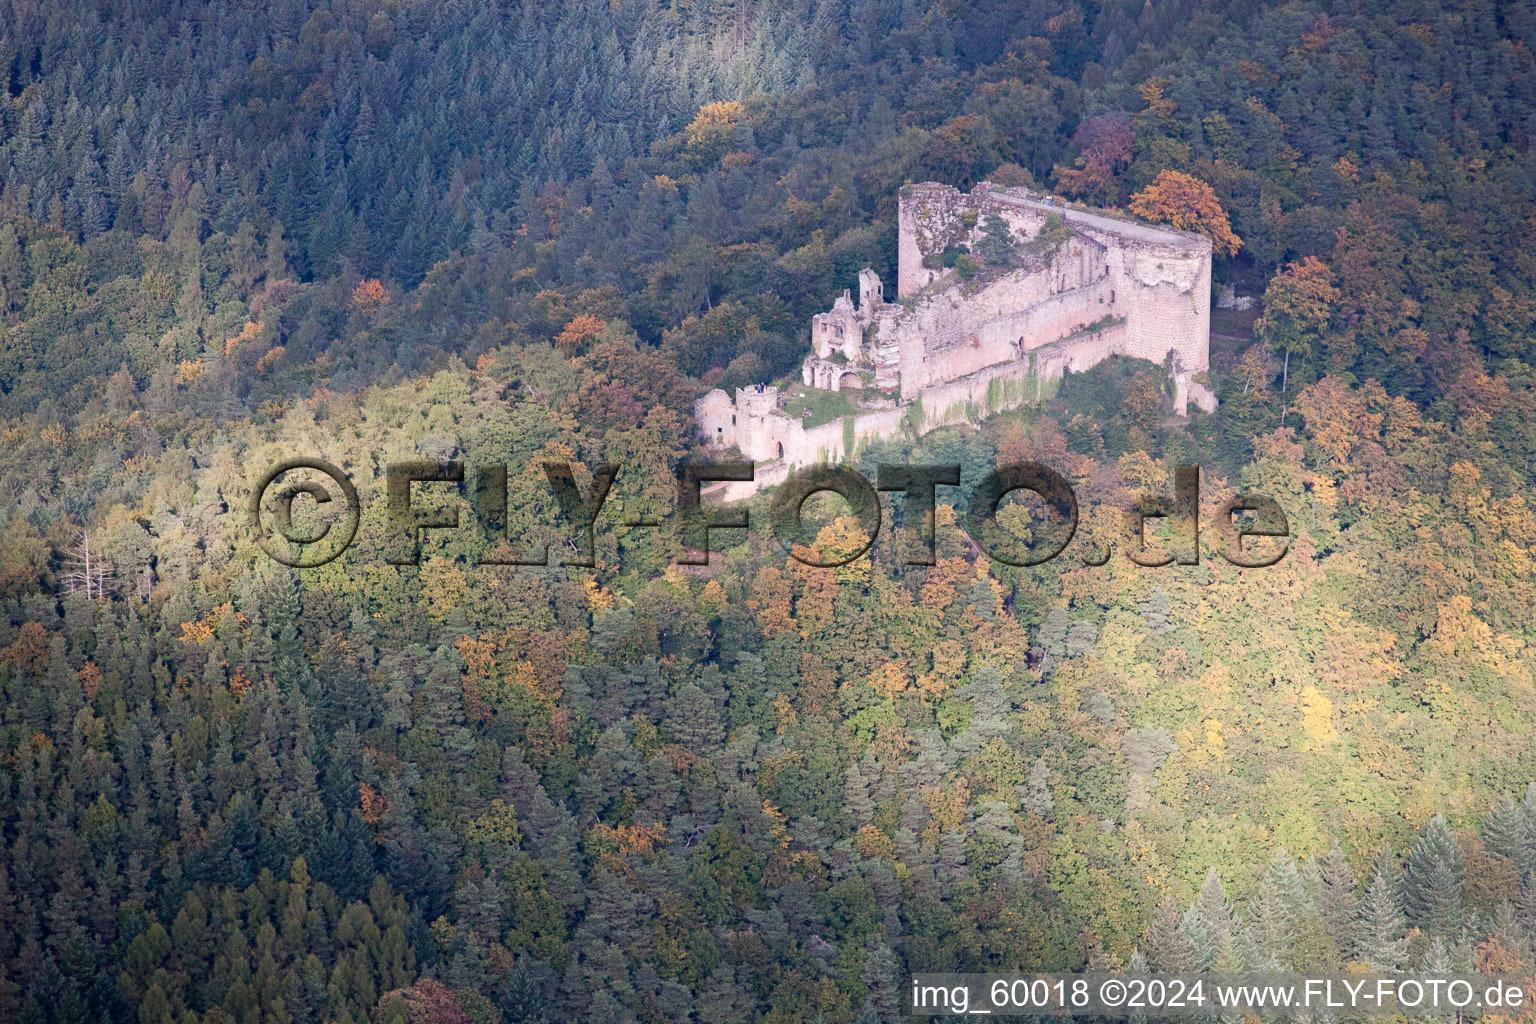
<point>1084,285</point>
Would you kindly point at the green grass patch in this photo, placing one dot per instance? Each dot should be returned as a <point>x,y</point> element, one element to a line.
<point>812,407</point>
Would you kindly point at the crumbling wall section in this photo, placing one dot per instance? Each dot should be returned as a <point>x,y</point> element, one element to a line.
<point>1159,279</point>
<point>1165,293</point>
<point>953,332</point>
<point>959,351</point>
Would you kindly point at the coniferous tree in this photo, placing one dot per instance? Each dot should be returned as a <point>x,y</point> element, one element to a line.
<point>881,978</point>
<point>1379,933</point>
<point>1081,639</point>
<point>1035,794</point>
<point>1216,911</point>
<point>856,792</point>
<point>990,708</point>
<point>1507,832</point>
<point>996,247</point>
<point>1432,880</point>
<point>1339,906</point>
<point>1201,937</point>
<point>1270,937</point>
<point>1053,633</point>
<point>1167,949</point>
<point>1155,612</point>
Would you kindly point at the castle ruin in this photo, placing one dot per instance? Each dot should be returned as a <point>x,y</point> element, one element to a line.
<point>1056,289</point>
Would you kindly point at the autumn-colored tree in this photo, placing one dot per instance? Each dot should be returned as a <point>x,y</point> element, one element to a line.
<point>712,132</point>
<point>771,602</point>
<point>1337,418</point>
<point>1189,204</point>
<point>369,295</point>
<point>890,680</point>
<point>1297,305</point>
<point>959,149</point>
<point>29,653</point>
<point>427,1002</point>
<point>1104,146</point>
<point>579,333</point>
<point>374,804</point>
<point>1144,401</point>
<point>1257,367</point>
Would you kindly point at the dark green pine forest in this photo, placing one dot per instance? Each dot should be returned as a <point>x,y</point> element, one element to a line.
<point>757,792</point>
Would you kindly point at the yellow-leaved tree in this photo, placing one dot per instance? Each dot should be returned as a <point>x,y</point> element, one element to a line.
<point>1297,306</point>
<point>712,133</point>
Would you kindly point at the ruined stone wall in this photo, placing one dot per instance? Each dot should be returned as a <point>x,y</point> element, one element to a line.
<point>1074,355</point>
<point>929,216</point>
<point>1158,279</point>
<point>724,491</point>
<point>933,217</point>
<point>1010,338</point>
<point>871,291</point>
<point>828,441</point>
<point>1010,385</point>
<point>990,390</point>
<point>838,330</point>
<point>958,355</point>
<point>762,428</point>
<point>952,334</point>
<point>1165,295</point>
<point>883,346</point>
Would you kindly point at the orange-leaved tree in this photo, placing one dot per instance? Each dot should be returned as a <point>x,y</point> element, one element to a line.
<point>1188,204</point>
<point>580,333</point>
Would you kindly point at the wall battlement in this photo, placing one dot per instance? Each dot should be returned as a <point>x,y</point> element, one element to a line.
<point>1076,287</point>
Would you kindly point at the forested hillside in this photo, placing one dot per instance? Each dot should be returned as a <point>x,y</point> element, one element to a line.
<point>758,792</point>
